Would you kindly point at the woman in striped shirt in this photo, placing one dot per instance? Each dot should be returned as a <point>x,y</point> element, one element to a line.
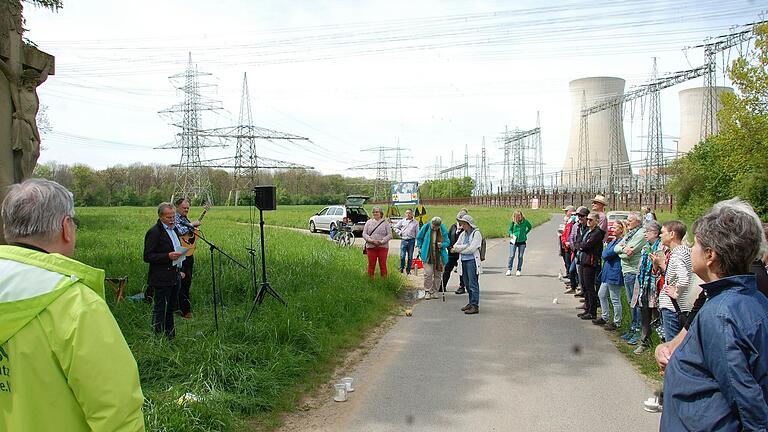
<point>676,268</point>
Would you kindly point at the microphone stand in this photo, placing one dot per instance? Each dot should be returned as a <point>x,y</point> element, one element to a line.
<point>212,247</point>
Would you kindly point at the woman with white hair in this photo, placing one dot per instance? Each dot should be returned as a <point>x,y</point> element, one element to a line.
<point>718,376</point>
<point>646,291</point>
<point>433,241</point>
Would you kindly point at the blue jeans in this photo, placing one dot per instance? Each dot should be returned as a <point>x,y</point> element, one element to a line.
<point>519,247</point>
<point>406,248</point>
<point>670,323</point>
<point>615,292</point>
<point>472,285</point>
<point>629,286</point>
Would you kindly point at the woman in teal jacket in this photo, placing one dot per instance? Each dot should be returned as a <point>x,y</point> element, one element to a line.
<point>433,242</point>
<point>518,234</point>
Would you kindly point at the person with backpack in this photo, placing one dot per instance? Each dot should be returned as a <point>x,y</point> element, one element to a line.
<point>468,247</point>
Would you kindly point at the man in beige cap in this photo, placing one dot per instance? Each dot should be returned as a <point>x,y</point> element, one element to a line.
<point>598,206</point>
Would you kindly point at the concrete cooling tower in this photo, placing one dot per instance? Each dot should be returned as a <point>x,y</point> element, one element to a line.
<point>596,89</point>
<point>691,110</point>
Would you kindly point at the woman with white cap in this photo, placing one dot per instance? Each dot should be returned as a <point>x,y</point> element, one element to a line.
<point>468,247</point>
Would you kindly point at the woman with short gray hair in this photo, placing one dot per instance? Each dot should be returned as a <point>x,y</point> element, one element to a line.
<point>432,241</point>
<point>646,293</point>
<point>720,372</point>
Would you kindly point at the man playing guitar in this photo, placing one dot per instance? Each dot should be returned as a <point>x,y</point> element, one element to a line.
<point>186,228</point>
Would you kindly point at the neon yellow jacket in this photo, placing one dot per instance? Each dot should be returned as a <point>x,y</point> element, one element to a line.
<point>64,364</point>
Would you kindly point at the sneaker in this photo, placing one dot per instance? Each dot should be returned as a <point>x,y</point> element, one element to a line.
<point>652,404</point>
<point>626,336</point>
<point>581,314</point>
<point>460,291</point>
<point>466,307</point>
<point>560,276</point>
<point>579,292</point>
<point>610,327</point>
<point>517,273</point>
<point>640,349</point>
<point>633,340</point>
<point>569,291</point>
<point>599,321</point>
<point>428,296</point>
<point>588,316</point>
<point>508,273</point>
<point>472,310</point>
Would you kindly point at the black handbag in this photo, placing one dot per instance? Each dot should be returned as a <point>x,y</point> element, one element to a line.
<point>365,249</point>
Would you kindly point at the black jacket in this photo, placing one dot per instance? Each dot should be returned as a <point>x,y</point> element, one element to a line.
<point>157,245</point>
<point>453,236</point>
<point>590,248</point>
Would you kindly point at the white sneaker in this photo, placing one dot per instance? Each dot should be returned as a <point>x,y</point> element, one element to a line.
<point>428,296</point>
<point>652,404</point>
<point>509,273</point>
<point>560,276</point>
<point>517,273</point>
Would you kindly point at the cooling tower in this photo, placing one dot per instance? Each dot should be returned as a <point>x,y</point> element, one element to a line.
<point>596,89</point>
<point>691,114</point>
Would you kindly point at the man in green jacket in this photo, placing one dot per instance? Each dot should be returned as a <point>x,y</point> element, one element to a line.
<point>64,364</point>
<point>629,250</point>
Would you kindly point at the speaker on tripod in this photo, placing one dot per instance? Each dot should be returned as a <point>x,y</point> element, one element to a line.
<point>264,198</point>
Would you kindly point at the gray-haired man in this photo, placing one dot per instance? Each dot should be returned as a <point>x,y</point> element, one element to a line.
<point>64,364</point>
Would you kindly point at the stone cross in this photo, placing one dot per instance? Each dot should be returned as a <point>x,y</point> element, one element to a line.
<point>23,68</point>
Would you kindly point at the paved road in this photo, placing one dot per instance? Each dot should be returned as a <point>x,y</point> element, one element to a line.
<point>523,363</point>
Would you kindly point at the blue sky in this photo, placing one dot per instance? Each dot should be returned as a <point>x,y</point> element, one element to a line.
<point>437,76</point>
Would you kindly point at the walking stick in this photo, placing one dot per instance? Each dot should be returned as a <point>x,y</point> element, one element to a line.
<point>442,287</point>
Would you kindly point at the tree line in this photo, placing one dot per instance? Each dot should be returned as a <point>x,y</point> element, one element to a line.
<point>141,184</point>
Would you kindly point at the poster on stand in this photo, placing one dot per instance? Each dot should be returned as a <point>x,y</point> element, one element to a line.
<point>405,193</point>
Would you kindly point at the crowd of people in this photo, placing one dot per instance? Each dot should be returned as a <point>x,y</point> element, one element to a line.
<point>701,294</point>
<point>441,250</point>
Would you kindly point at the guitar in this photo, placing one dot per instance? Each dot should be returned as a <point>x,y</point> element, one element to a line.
<point>188,240</point>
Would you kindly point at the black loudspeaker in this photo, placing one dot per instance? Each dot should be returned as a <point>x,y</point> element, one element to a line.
<point>265,197</point>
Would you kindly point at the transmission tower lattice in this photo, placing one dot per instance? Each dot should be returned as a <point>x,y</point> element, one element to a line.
<point>191,177</point>
<point>247,163</point>
<point>521,159</point>
<point>654,158</point>
<point>711,49</point>
<point>383,167</point>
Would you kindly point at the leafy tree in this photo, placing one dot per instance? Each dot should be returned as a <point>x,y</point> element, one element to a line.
<point>88,187</point>
<point>447,188</point>
<point>735,161</point>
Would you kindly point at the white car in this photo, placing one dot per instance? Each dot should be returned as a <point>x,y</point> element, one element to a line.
<point>328,218</point>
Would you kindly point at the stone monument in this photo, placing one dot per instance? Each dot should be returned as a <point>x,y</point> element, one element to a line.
<point>23,68</point>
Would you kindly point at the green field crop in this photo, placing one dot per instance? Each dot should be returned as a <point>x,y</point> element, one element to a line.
<point>246,369</point>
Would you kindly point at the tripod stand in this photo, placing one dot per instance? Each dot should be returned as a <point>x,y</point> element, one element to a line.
<point>264,288</point>
<point>212,247</point>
